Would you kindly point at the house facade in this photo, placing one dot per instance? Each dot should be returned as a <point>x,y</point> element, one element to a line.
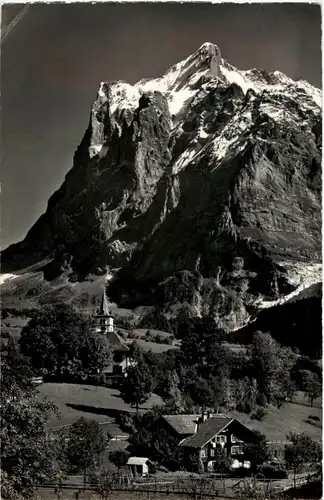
<point>204,436</point>
<point>104,325</point>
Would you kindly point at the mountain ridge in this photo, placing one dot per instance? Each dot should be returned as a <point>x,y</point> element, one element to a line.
<point>198,191</point>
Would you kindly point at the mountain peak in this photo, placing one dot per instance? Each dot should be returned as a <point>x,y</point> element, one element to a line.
<point>202,193</point>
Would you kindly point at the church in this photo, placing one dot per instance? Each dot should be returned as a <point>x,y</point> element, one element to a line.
<point>104,325</point>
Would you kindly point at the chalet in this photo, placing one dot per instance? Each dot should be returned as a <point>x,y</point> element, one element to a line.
<point>203,435</point>
<point>104,325</point>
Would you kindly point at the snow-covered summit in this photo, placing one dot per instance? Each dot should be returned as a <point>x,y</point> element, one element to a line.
<point>183,81</point>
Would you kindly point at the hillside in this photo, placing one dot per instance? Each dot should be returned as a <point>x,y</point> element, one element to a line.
<point>197,193</point>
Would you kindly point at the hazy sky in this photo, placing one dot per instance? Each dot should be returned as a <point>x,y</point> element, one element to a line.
<point>55,56</point>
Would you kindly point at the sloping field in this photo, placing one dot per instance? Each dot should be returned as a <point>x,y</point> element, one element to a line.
<point>97,403</point>
<point>291,417</point>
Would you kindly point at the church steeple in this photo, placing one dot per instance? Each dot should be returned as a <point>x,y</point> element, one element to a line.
<point>104,308</point>
<point>104,321</point>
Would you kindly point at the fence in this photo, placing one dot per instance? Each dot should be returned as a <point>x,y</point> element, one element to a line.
<point>143,492</point>
<point>173,488</point>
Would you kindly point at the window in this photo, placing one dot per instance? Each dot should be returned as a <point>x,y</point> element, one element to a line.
<point>118,357</point>
<point>203,453</point>
<point>220,439</point>
<point>212,452</point>
<point>237,450</point>
<point>233,439</point>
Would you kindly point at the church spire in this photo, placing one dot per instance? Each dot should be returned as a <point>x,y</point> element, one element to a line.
<point>104,308</point>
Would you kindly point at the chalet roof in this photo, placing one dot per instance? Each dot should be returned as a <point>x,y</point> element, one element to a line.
<point>182,424</point>
<point>138,461</point>
<point>206,431</point>
<point>116,342</point>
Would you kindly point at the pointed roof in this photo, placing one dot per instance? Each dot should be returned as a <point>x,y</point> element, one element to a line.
<point>182,424</point>
<point>104,308</point>
<point>116,342</point>
<point>206,431</point>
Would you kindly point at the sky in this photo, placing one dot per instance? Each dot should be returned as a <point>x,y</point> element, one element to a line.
<point>53,58</point>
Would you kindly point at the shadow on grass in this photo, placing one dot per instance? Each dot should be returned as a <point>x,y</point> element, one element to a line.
<point>110,412</point>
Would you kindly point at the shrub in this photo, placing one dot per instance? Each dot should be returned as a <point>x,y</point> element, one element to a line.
<point>259,414</point>
<point>159,339</point>
<point>240,472</point>
<point>261,400</point>
<point>132,335</point>
<point>314,417</point>
<point>247,407</point>
<point>168,340</point>
<point>126,421</point>
<point>273,471</point>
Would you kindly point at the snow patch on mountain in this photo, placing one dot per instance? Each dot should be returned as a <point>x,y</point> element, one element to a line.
<point>6,277</point>
<point>300,275</point>
<point>124,96</point>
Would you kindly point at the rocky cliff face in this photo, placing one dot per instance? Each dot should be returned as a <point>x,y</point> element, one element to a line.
<point>200,191</point>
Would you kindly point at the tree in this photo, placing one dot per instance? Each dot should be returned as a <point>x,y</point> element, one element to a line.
<point>137,386</point>
<point>311,384</point>
<point>272,365</point>
<point>28,451</point>
<point>16,369</point>
<point>257,451</point>
<point>207,392</point>
<point>151,440</point>
<point>201,346</point>
<point>85,445</point>
<point>194,463</point>
<point>302,450</point>
<point>103,482</point>
<point>95,354</point>
<point>221,461</point>
<point>174,397</point>
<point>59,341</point>
<point>119,458</point>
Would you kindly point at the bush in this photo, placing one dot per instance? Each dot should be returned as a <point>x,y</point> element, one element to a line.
<point>168,340</point>
<point>240,472</point>
<point>126,421</point>
<point>261,400</point>
<point>247,407</point>
<point>132,335</point>
<point>273,471</point>
<point>259,414</point>
<point>159,339</point>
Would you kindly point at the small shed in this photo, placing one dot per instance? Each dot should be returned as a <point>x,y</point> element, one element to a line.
<point>139,466</point>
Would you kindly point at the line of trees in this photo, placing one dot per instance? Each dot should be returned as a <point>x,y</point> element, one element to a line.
<point>206,373</point>
<point>60,343</point>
